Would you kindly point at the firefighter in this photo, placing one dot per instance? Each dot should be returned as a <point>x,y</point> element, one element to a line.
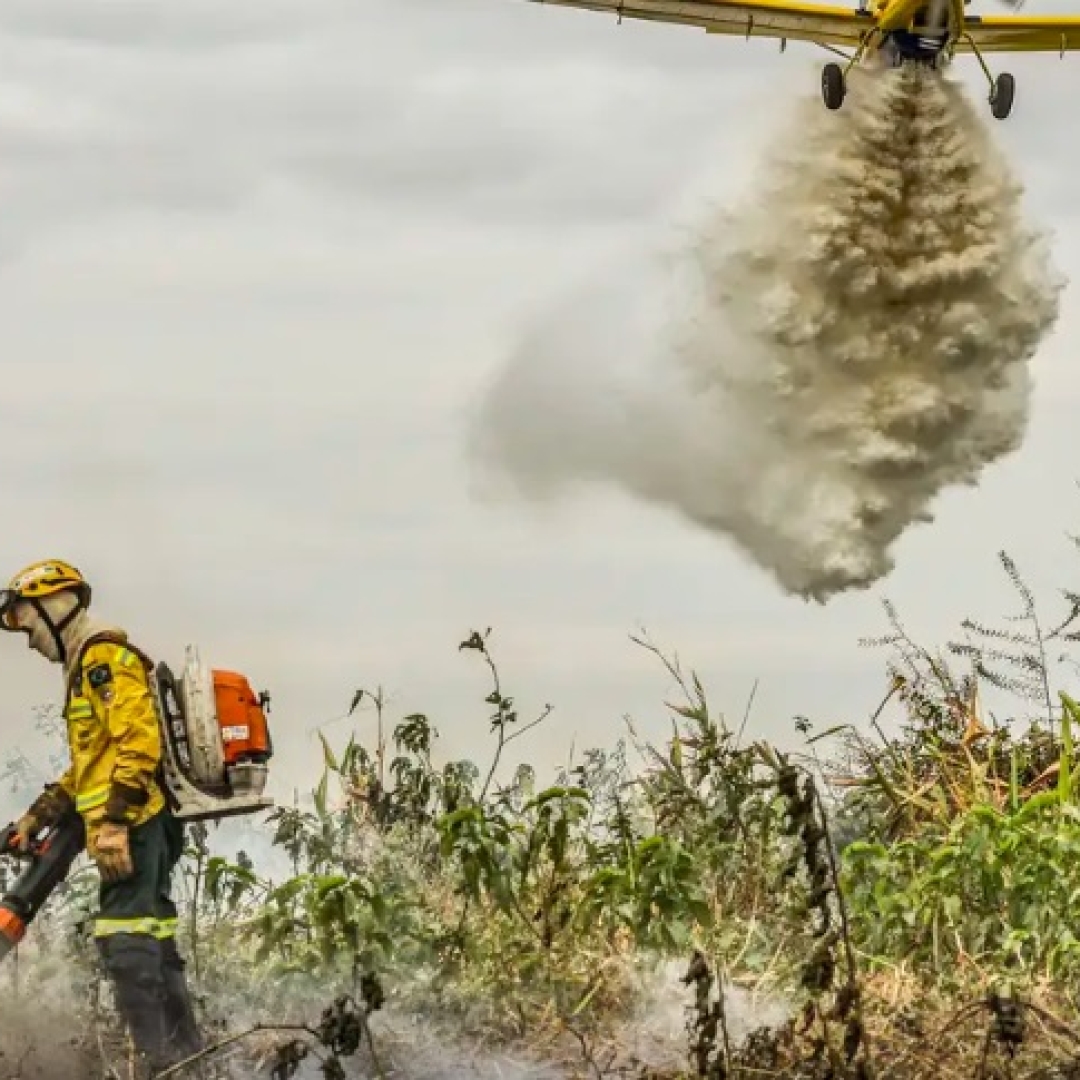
<point>113,782</point>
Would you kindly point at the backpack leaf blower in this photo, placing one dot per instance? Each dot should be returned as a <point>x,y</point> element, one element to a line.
<point>216,741</point>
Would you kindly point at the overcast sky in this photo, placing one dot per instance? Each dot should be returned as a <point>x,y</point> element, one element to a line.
<point>259,258</point>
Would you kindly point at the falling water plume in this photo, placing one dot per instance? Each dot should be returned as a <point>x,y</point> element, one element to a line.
<point>851,343</point>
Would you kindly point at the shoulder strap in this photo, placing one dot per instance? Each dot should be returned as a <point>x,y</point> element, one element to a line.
<point>101,638</point>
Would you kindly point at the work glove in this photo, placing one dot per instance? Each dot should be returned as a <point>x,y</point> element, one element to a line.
<point>112,852</point>
<point>25,829</point>
<point>47,809</point>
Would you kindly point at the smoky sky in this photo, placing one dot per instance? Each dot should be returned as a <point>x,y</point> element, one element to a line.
<point>259,261</point>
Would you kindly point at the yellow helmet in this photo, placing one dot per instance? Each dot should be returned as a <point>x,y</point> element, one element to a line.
<point>38,580</point>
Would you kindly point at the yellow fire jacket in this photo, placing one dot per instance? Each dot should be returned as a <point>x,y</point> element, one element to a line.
<point>113,736</point>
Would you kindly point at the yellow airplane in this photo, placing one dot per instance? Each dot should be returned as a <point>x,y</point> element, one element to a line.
<point>896,31</point>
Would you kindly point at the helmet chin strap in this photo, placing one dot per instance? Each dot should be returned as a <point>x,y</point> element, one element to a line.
<point>56,629</point>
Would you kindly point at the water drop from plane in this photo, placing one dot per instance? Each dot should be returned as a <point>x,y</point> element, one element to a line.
<point>858,340</point>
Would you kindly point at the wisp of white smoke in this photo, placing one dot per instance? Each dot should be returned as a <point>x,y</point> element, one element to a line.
<point>832,356</point>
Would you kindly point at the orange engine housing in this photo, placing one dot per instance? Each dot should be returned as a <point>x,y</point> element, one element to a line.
<point>245,731</point>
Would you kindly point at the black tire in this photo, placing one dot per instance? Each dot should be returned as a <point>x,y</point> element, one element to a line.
<point>833,90</point>
<point>1001,97</point>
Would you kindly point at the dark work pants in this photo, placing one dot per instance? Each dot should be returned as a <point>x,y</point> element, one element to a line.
<point>135,933</point>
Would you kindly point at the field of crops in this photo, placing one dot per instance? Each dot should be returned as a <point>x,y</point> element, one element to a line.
<point>893,906</point>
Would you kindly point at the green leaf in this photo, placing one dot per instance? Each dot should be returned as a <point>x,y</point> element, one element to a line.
<point>328,754</point>
<point>320,795</point>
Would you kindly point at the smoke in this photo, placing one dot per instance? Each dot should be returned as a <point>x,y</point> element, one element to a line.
<point>652,1040</point>
<point>51,986</point>
<point>656,1036</point>
<point>825,360</point>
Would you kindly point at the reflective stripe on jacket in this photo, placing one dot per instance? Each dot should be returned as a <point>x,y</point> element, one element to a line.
<point>114,736</point>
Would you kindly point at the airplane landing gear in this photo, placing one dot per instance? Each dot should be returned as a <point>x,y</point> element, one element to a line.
<point>1002,91</point>
<point>833,90</point>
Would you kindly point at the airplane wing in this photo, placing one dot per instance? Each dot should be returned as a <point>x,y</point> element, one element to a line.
<point>792,19</point>
<point>1020,33</point>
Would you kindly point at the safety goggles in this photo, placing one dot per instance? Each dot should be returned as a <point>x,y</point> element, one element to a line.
<point>14,612</point>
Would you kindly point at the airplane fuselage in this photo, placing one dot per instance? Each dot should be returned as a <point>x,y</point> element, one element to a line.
<point>902,14</point>
<point>912,31</point>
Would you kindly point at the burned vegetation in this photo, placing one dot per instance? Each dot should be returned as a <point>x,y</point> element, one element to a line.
<point>871,906</point>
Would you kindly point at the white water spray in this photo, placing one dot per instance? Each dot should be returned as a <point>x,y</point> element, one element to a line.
<point>853,342</point>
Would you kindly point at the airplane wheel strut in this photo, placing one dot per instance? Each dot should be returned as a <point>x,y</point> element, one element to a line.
<point>833,89</point>
<point>1001,96</point>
